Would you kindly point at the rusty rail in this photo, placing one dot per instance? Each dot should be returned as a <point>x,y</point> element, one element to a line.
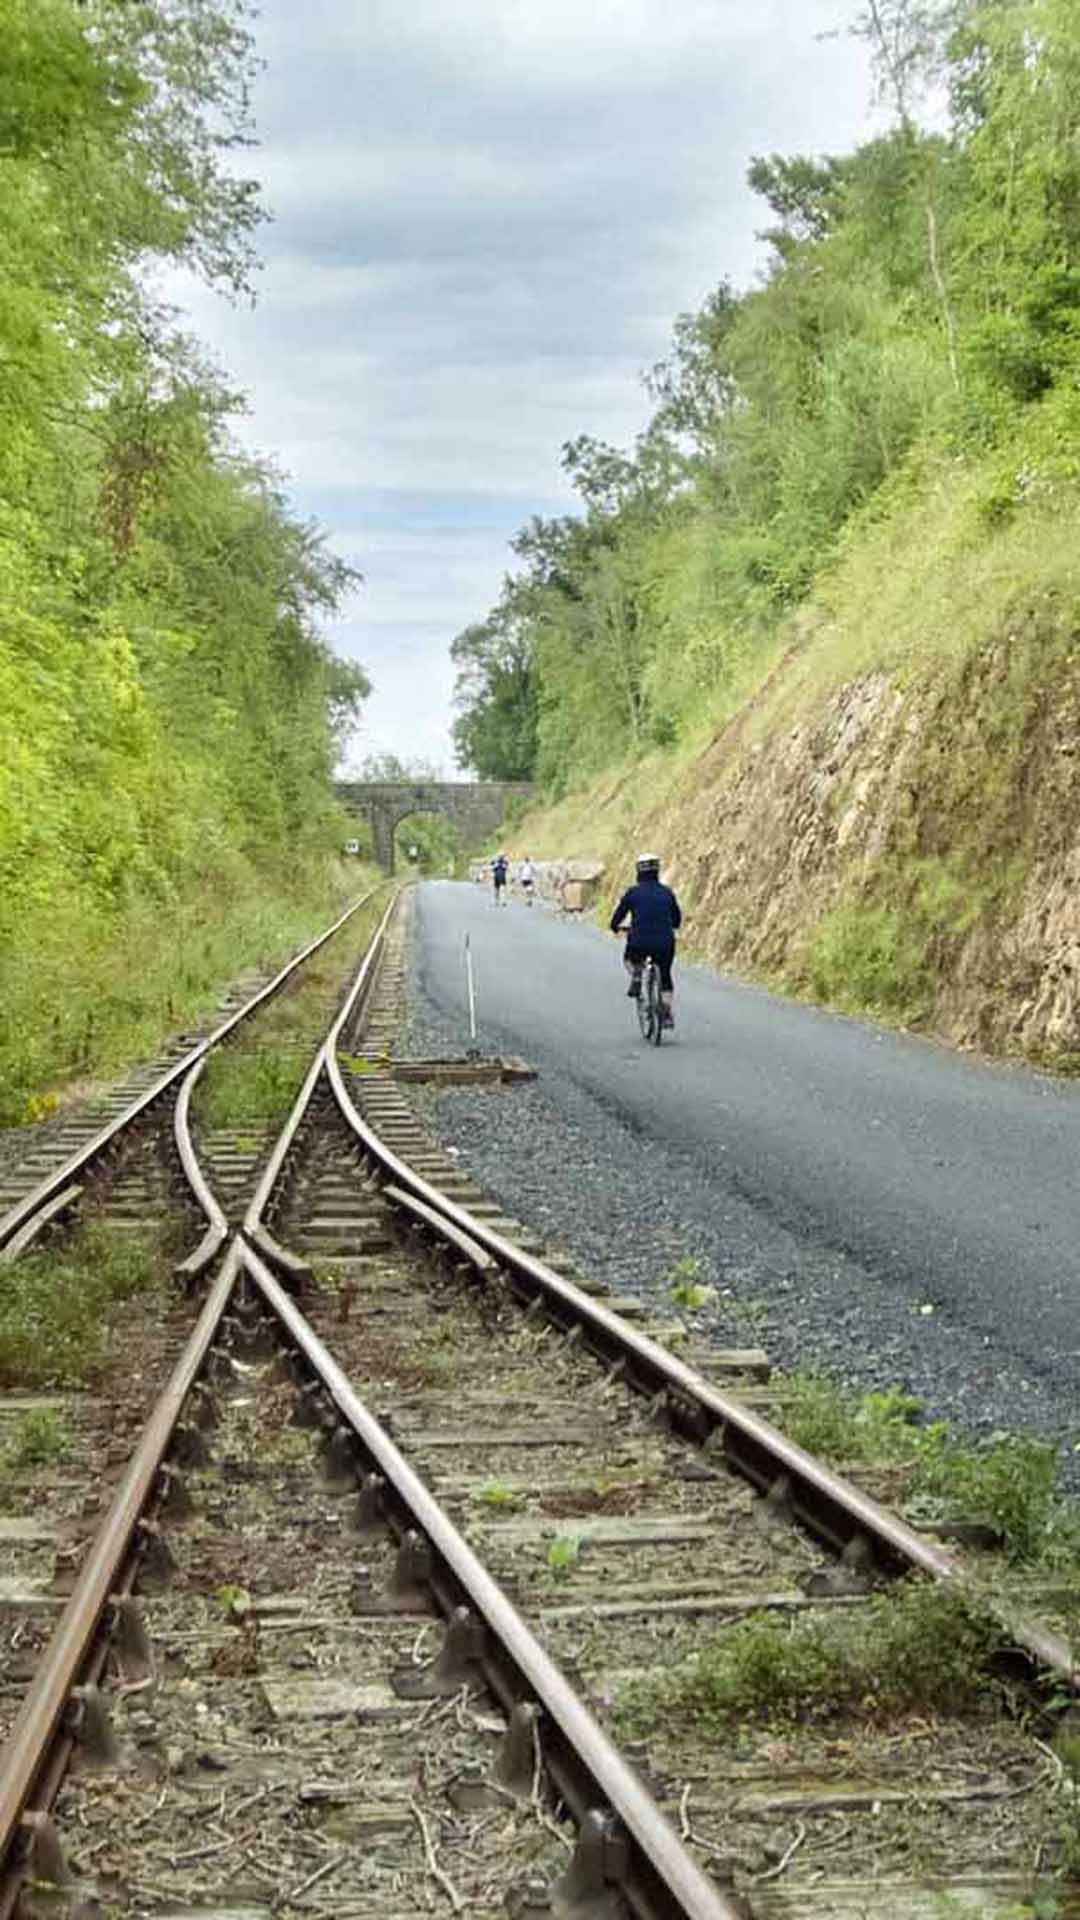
<point>64,1176</point>
<point>27,1747</point>
<point>664,1878</point>
<point>255,1228</point>
<point>217,1227</point>
<point>830,1506</point>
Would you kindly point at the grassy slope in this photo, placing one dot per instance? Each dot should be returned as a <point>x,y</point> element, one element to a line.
<point>889,820</point>
<point>87,1000</point>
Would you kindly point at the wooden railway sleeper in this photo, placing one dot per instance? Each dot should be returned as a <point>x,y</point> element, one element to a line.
<point>436,1570</point>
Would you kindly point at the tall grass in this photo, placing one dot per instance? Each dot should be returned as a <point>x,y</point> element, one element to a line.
<point>54,1313</point>
<point>84,992</point>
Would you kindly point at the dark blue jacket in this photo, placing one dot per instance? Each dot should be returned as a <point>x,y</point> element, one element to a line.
<point>654,914</point>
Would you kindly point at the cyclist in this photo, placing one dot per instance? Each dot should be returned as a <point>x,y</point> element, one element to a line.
<point>500,867</point>
<point>654,915</point>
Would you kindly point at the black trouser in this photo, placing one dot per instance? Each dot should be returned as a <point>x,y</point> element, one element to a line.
<point>663,952</point>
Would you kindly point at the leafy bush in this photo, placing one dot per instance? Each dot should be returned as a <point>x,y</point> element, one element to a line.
<point>1008,1485</point>
<point>920,1646</point>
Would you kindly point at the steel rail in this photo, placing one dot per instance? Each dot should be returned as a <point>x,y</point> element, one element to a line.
<point>25,1759</point>
<point>38,1719</point>
<point>255,1229</point>
<point>54,1183</point>
<point>830,1505</point>
<point>768,1452</point>
<point>23,1240</point>
<point>217,1226</point>
<point>617,1785</point>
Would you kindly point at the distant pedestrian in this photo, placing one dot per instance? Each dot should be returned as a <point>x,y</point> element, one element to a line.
<point>500,867</point>
<point>527,876</point>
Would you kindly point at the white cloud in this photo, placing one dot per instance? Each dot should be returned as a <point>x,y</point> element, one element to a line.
<point>487,214</point>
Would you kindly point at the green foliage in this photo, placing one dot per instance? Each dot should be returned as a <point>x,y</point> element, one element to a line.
<point>169,714</point>
<point>41,1437</point>
<point>251,1082</point>
<point>495,732</point>
<point>920,1646</point>
<point>870,957</point>
<point>242,1089</point>
<point>922,301</point>
<point>876,1427</point>
<point>563,1552</point>
<point>495,1493</point>
<point>1009,1486</point>
<point>686,1286</point>
<point>235,1602</point>
<point>426,843</point>
<point>84,991</point>
<point>54,1312</point>
<point>1006,1484</point>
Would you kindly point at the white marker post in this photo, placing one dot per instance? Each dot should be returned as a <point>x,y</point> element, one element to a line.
<point>472,993</point>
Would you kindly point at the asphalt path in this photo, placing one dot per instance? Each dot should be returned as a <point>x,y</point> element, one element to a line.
<point>950,1178</point>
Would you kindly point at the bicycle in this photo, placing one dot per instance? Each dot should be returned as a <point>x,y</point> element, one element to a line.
<point>650,1018</point>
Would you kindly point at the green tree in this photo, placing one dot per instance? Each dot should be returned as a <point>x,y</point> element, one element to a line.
<point>921,296</point>
<point>168,706</point>
<point>495,690</point>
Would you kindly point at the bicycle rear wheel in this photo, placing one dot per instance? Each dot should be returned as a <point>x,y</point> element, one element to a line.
<point>654,1005</point>
<point>644,1005</point>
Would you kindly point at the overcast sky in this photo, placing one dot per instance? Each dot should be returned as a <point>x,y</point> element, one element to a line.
<point>487,214</point>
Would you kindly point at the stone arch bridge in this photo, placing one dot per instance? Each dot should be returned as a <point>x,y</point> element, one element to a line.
<point>476,807</point>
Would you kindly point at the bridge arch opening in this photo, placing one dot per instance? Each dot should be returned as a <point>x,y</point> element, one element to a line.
<point>427,842</point>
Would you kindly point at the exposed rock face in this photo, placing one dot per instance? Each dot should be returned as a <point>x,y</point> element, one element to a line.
<point>914,847</point>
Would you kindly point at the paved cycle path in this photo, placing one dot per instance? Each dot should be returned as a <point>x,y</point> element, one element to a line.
<point>950,1178</point>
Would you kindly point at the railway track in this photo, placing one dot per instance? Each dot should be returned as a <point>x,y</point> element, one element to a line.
<point>425,1538</point>
<point>99,1219</point>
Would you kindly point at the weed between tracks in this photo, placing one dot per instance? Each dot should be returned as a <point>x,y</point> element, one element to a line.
<point>241,1089</point>
<point>1006,1486</point>
<point>54,1314</point>
<point>918,1647</point>
<point>254,1080</point>
<point>41,1438</point>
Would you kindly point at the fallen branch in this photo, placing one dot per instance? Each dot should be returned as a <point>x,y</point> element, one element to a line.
<point>433,1866</point>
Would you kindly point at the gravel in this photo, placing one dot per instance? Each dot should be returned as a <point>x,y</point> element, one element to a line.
<point>639,1207</point>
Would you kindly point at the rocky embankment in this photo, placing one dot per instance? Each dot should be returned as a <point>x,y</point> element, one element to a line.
<point>904,845</point>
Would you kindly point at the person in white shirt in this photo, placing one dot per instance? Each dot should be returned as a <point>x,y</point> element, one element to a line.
<point>526,876</point>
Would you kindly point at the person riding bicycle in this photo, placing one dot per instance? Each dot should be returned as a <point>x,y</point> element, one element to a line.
<point>654,916</point>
